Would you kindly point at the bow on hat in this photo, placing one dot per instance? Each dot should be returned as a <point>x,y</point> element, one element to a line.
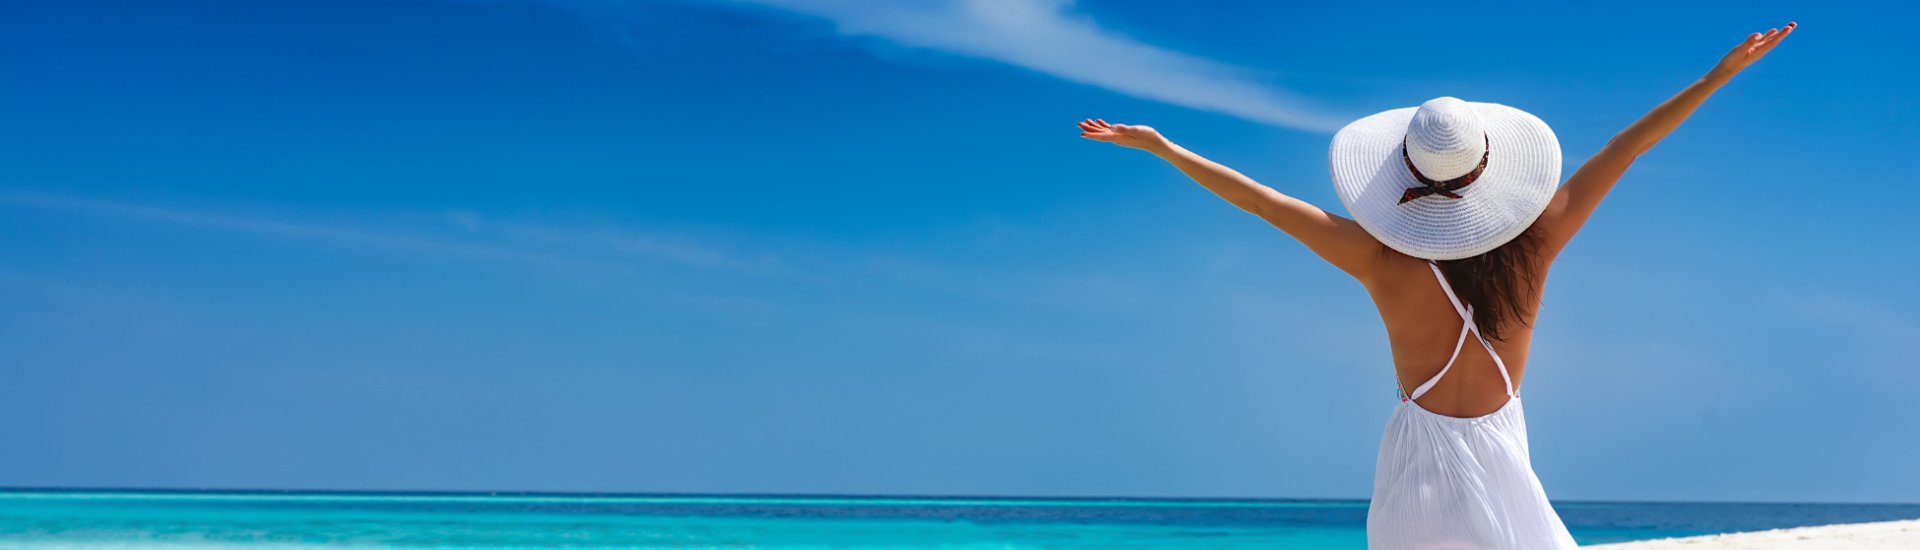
<point>1442,188</point>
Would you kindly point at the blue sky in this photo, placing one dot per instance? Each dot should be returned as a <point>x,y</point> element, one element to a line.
<point>833,247</point>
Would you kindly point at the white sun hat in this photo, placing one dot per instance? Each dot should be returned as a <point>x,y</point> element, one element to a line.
<point>1447,180</point>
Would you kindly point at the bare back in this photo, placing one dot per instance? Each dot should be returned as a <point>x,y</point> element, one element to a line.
<point>1423,328</point>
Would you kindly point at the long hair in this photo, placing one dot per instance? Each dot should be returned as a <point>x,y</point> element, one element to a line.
<point>1499,284</point>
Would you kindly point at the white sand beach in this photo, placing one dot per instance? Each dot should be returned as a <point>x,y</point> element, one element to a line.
<point>1886,535</point>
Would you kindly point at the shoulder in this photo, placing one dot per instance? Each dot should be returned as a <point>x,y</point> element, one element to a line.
<point>1391,271</point>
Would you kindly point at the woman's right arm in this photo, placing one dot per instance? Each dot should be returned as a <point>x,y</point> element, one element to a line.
<point>1338,240</point>
<point>1575,201</point>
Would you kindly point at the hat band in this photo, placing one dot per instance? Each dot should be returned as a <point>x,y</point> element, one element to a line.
<point>1442,188</point>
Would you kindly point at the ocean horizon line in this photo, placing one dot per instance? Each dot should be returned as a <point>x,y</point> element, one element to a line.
<point>829,497</point>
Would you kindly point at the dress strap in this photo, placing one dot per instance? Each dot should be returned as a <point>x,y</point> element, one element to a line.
<point>1467,326</point>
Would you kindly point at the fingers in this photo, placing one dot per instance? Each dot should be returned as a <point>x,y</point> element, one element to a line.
<point>1746,46</point>
<point>1757,42</point>
<point>1097,130</point>
<point>1784,31</point>
<point>1773,39</point>
<point>1091,125</point>
<point>1775,34</point>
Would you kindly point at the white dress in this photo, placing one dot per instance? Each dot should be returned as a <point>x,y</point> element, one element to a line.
<point>1445,482</point>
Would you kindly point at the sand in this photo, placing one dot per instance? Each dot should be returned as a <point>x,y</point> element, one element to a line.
<point>1886,535</point>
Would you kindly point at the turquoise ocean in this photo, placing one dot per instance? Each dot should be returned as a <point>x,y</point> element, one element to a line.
<point>187,519</point>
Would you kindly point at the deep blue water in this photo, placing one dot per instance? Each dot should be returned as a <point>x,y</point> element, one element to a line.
<point>99,519</point>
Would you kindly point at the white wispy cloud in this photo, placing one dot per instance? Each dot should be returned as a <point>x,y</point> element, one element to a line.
<point>1048,37</point>
<point>471,236</point>
<point>486,241</point>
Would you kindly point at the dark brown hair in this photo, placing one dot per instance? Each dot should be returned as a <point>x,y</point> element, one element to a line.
<point>1499,284</point>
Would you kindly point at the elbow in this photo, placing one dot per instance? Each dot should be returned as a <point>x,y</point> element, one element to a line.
<point>1256,207</point>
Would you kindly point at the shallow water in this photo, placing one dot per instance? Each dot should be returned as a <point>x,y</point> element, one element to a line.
<point>98,519</point>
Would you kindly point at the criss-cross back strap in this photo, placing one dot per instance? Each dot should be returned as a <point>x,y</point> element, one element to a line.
<point>1466,316</point>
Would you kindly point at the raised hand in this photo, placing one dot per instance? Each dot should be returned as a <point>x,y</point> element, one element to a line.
<point>1144,138</point>
<point>1752,49</point>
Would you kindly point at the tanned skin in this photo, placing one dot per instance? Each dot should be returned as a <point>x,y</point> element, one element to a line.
<point>1421,324</point>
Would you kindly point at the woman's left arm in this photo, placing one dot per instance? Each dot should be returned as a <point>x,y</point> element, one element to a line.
<point>1338,240</point>
<point>1575,201</point>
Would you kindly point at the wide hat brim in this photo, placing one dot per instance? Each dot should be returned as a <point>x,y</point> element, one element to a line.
<point>1523,170</point>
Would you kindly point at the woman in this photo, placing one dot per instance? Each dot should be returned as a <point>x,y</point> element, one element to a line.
<point>1462,193</point>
